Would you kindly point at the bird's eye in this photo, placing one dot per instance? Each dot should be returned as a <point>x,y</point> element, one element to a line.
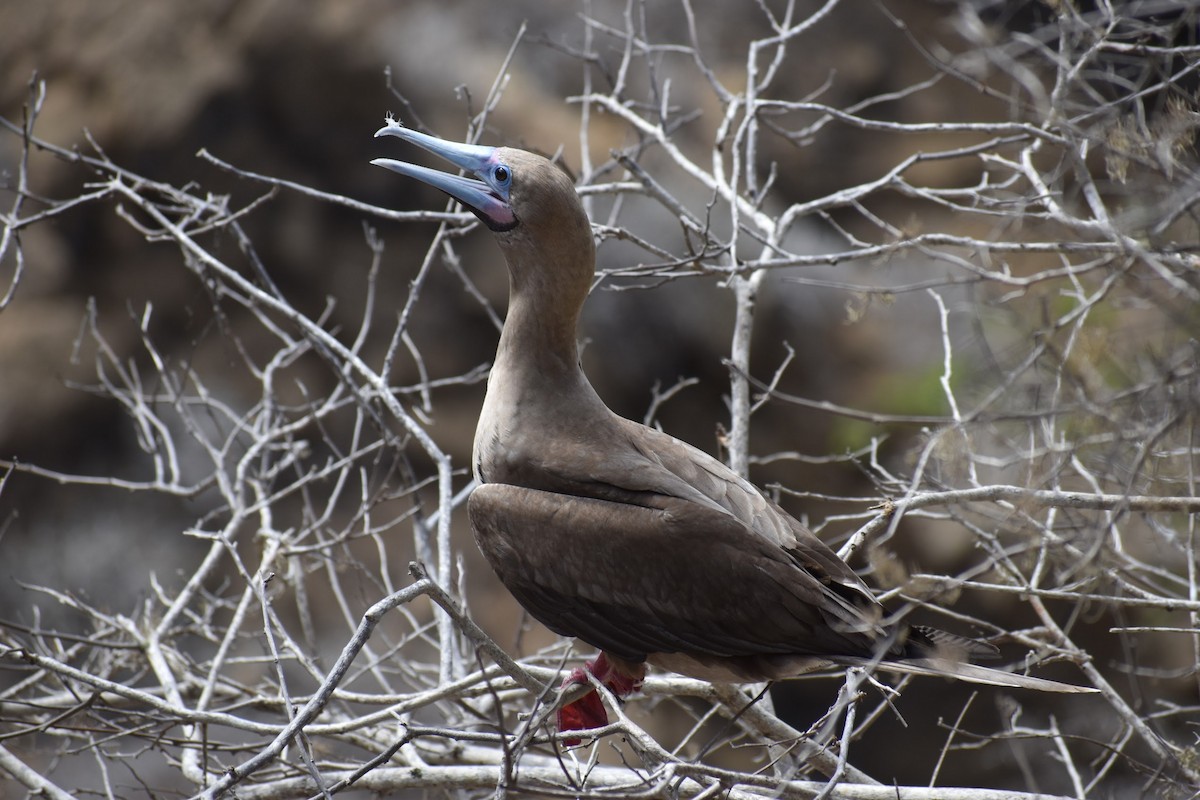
<point>501,174</point>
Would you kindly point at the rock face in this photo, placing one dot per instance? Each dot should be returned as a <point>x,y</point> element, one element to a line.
<point>294,91</point>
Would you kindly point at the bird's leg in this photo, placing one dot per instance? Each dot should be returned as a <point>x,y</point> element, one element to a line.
<point>622,678</point>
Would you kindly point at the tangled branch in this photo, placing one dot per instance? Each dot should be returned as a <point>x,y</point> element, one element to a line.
<point>1039,252</point>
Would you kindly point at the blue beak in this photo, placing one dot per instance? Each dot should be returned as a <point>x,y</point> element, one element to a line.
<point>487,197</point>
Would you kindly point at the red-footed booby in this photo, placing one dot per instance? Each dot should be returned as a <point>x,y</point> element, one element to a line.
<point>618,534</point>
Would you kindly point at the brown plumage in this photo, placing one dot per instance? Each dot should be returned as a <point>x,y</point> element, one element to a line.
<point>627,538</point>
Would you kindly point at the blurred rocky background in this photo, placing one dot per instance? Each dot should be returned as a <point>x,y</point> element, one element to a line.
<point>294,91</point>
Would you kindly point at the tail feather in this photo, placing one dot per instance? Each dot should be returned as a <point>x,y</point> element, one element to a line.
<point>972,673</point>
<point>932,643</point>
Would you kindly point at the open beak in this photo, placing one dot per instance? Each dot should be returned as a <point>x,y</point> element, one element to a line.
<point>486,197</point>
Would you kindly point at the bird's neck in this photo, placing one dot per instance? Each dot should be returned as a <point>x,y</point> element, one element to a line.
<point>539,337</point>
<point>538,354</point>
<point>537,395</point>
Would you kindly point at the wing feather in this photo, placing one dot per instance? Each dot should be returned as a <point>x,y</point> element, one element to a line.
<point>636,580</point>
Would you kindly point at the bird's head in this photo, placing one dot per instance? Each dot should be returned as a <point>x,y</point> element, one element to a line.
<point>488,195</point>
<point>530,204</point>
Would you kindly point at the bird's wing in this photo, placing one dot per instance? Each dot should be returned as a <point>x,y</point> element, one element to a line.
<point>636,580</point>
<point>645,466</point>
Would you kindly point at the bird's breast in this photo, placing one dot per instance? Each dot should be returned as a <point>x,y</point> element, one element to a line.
<point>539,430</point>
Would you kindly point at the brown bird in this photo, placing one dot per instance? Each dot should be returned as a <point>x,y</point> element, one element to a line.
<point>618,534</point>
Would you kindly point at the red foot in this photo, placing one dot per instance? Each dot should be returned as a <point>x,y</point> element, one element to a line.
<point>588,711</point>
